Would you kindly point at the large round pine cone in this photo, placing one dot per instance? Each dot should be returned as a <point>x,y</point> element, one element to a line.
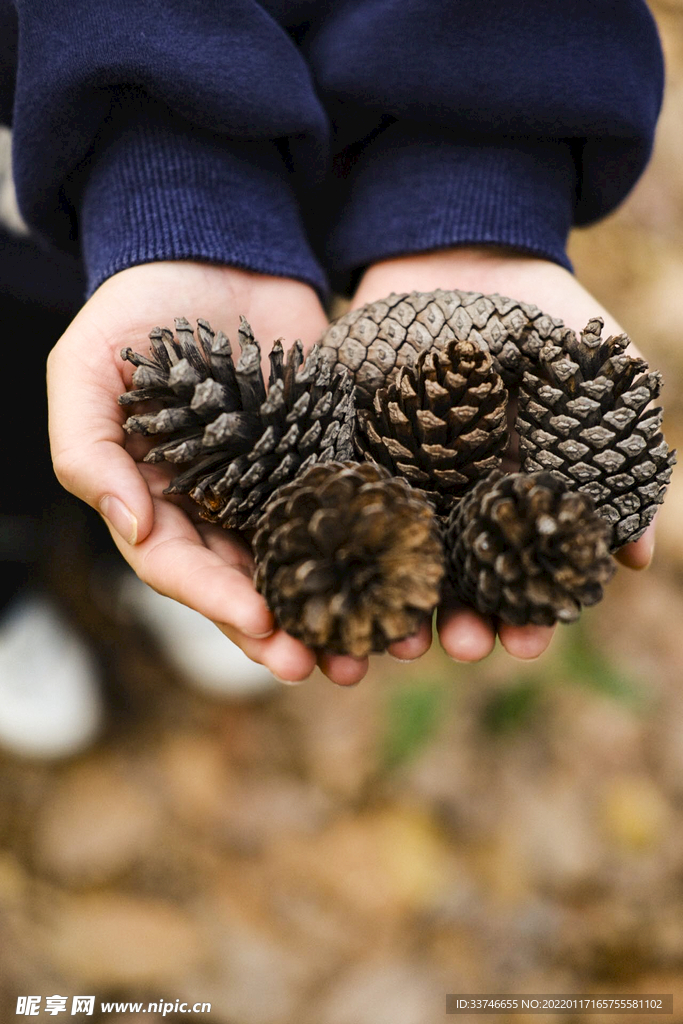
<point>238,441</point>
<point>373,342</point>
<point>348,558</point>
<point>584,415</point>
<point>526,549</point>
<point>441,424</point>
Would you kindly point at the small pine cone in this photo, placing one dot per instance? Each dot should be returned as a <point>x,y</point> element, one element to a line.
<point>238,441</point>
<point>584,415</point>
<point>373,342</point>
<point>441,424</point>
<point>348,558</point>
<point>527,549</point>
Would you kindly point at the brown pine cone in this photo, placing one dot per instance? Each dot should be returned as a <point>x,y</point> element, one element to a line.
<point>373,342</point>
<point>238,441</point>
<point>441,424</point>
<point>348,558</point>
<point>527,549</point>
<point>584,414</point>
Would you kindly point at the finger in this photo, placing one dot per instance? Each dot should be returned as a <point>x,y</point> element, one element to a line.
<point>464,635</point>
<point>287,658</point>
<point>230,545</point>
<point>526,642</point>
<point>343,670</point>
<point>413,647</point>
<point>104,475</point>
<point>639,553</point>
<point>86,440</point>
<point>174,561</point>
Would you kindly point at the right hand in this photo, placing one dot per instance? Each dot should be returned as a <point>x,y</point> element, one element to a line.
<point>201,565</point>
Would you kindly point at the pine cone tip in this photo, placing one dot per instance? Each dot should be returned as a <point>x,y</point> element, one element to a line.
<point>527,549</point>
<point>348,558</point>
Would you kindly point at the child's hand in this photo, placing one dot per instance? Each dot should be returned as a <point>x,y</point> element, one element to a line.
<point>169,547</point>
<point>465,635</point>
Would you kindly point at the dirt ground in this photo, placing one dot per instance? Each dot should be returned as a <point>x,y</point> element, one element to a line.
<point>351,856</point>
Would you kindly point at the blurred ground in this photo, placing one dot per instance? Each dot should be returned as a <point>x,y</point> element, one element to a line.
<point>349,856</point>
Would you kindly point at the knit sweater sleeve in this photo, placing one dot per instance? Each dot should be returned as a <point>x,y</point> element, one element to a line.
<point>481,121</point>
<point>165,129</point>
<point>196,129</point>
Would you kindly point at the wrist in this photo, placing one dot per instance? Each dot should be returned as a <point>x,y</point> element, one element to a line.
<point>129,303</point>
<point>476,268</point>
<point>540,282</point>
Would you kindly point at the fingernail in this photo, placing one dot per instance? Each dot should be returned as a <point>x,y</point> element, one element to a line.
<point>650,554</point>
<point>120,517</point>
<point>288,682</point>
<point>258,636</point>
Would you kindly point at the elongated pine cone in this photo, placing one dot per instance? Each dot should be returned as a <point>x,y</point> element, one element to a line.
<point>441,424</point>
<point>373,342</point>
<point>348,558</point>
<point>238,441</point>
<point>584,415</point>
<point>525,548</point>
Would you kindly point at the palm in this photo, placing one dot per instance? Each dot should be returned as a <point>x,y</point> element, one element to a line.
<point>202,566</point>
<point>465,635</point>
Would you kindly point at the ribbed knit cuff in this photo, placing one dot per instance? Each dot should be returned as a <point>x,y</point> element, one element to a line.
<point>162,190</point>
<point>411,190</point>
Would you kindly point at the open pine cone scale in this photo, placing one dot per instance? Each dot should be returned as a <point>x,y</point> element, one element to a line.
<point>441,424</point>
<point>348,558</point>
<point>527,549</point>
<point>237,440</point>
<point>585,414</point>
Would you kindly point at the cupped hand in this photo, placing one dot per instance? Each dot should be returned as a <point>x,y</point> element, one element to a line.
<point>203,566</point>
<point>465,635</point>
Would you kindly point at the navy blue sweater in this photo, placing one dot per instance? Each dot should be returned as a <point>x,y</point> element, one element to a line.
<point>309,139</point>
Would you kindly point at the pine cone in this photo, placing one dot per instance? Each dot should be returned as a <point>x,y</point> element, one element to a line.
<point>583,414</point>
<point>441,424</point>
<point>239,442</point>
<point>527,549</point>
<point>373,342</point>
<point>348,558</point>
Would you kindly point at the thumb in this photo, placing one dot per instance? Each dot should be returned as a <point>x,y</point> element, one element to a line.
<point>102,474</point>
<point>86,439</point>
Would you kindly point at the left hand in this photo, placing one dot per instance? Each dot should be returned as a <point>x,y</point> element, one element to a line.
<point>465,635</point>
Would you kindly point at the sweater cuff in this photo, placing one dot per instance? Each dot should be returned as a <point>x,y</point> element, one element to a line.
<point>412,190</point>
<point>160,190</point>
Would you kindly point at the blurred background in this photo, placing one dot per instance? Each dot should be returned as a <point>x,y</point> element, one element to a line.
<point>350,856</point>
